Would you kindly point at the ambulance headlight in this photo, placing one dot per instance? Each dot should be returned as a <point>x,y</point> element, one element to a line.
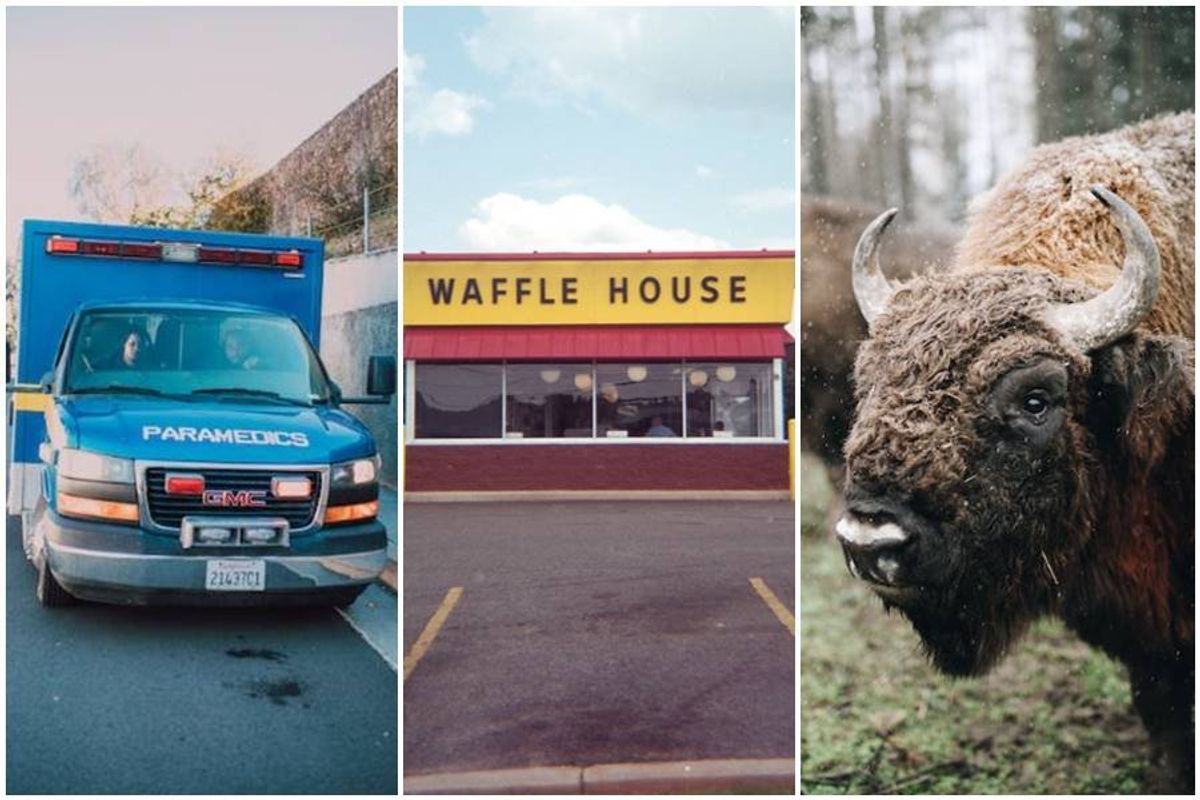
<point>85,465</point>
<point>355,473</point>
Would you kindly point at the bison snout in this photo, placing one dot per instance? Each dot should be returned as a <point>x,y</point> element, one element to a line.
<point>887,543</point>
<point>870,535</point>
<point>874,550</point>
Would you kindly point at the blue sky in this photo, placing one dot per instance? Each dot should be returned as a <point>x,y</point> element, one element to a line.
<point>183,84</point>
<point>601,129</point>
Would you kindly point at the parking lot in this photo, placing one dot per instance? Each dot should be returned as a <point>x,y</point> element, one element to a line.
<point>584,633</point>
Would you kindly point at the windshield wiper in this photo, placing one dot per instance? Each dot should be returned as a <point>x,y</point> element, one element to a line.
<point>266,394</point>
<point>117,388</point>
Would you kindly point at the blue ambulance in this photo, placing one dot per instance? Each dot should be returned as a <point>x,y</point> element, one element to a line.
<point>174,436</point>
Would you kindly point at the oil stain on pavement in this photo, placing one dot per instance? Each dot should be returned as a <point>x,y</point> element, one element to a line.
<point>277,691</point>
<point>249,652</point>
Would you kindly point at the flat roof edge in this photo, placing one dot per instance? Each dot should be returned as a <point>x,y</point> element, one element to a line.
<point>599,256</point>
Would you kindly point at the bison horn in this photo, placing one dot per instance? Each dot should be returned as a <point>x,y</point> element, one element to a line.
<point>871,289</point>
<point>1118,310</point>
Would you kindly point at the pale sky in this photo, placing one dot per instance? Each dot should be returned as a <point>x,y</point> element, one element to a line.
<point>571,128</point>
<point>184,83</point>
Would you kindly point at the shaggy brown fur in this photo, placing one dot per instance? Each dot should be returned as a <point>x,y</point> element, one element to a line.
<point>832,327</point>
<point>1087,513</point>
<point>1042,216</point>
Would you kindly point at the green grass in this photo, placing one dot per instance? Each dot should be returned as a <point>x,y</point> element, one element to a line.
<point>749,788</point>
<point>1054,717</point>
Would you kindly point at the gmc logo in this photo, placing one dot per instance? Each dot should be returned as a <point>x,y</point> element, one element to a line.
<point>227,498</point>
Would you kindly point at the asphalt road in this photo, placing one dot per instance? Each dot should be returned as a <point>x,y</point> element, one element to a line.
<point>108,700</point>
<point>592,633</point>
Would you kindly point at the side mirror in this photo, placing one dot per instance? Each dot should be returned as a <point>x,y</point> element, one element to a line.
<point>381,376</point>
<point>47,383</point>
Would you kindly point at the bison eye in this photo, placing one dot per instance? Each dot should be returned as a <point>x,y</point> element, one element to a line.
<point>1030,401</point>
<point>1035,405</point>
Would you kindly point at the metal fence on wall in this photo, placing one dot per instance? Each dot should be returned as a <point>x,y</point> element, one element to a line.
<point>362,225</point>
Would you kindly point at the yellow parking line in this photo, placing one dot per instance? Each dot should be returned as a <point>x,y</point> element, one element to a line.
<point>431,630</point>
<point>773,603</point>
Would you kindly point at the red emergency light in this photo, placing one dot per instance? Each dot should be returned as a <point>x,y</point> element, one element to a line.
<point>134,250</point>
<point>184,484</point>
<point>100,248</point>
<point>257,257</point>
<point>57,244</point>
<point>220,255</point>
<point>178,252</point>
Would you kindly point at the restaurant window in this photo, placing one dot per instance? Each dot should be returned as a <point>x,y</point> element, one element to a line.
<point>729,399</point>
<point>458,401</point>
<point>639,400</point>
<point>549,401</point>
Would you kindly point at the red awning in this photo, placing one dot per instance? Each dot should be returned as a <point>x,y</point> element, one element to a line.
<point>595,342</point>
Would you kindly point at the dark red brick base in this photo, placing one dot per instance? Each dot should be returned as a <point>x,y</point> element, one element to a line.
<point>436,468</point>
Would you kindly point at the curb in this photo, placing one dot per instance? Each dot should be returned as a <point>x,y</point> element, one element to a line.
<point>388,576</point>
<point>769,775</point>
<point>389,510</point>
<point>541,496</point>
<point>529,780</point>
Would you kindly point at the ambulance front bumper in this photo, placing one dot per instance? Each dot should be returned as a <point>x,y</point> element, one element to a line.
<point>124,564</point>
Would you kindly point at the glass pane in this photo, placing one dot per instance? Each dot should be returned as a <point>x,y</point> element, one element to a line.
<point>186,351</point>
<point>456,401</point>
<point>549,400</point>
<point>639,399</point>
<point>729,399</point>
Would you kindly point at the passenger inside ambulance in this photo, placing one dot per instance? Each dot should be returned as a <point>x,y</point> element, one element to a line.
<point>237,350</point>
<point>193,352</point>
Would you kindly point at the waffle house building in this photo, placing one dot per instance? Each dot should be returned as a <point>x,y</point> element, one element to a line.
<point>598,372</point>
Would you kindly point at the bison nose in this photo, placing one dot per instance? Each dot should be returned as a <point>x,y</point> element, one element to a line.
<point>873,546</point>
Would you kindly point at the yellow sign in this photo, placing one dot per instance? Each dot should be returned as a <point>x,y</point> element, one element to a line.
<point>30,401</point>
<point>598,291</point>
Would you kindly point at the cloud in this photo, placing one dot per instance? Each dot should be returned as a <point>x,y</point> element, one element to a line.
<point>414,65</point>
<point>760,200</point>
<point>703,171</point>
<point>508,222</point>
<point>436,112</point>
<point>443,112</point>
<point>644,60</point>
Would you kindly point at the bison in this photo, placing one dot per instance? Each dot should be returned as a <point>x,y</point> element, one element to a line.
<point>1024,424</point>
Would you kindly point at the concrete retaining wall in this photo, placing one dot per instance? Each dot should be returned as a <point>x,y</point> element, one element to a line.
<point>323,178</point>
<point>359,311</point>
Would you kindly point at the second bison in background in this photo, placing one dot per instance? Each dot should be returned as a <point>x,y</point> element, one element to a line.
<point>1023,438</point>
<point>831,326</point>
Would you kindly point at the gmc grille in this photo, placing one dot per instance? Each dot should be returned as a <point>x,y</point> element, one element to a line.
<point>168,510</point>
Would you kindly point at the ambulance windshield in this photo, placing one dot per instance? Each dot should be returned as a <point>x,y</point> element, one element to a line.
<point>213,353</point>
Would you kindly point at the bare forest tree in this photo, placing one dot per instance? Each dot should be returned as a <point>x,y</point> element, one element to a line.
<point>1105,67</point>
<point>127,184</point>
<point>112,182</point>
<point>925,107</point>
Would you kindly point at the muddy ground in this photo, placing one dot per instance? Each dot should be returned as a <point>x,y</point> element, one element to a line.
<point>1054,717</point>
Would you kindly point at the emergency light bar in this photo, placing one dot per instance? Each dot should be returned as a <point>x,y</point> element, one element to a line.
<point>180,252</point>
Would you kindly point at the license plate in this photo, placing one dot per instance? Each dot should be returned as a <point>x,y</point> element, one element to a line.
<point>235,576</point>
